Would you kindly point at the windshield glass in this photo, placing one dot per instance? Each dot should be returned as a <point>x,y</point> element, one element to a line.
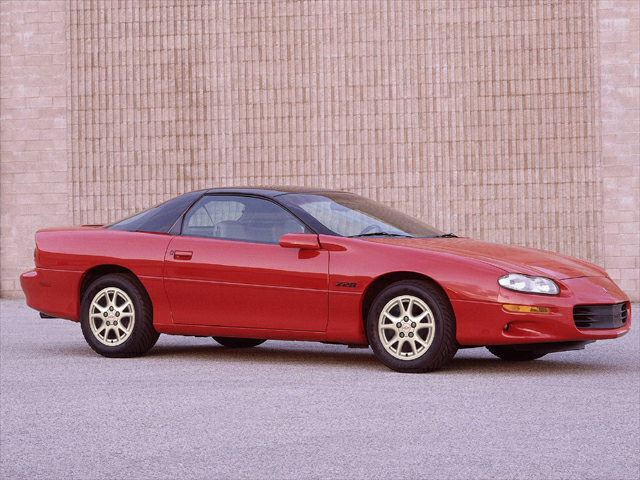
<point>350,215</point>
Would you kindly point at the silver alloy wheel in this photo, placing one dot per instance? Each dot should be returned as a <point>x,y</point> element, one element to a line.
<point>406,327</point>
<point>111,316</point>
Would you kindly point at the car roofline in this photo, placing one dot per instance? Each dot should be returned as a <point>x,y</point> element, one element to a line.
<point>270,192</point>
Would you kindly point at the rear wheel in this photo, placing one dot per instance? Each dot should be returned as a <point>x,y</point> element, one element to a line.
<point>411,327</point>
<point>238,342</point>
<point>509,352</point>
<point>117,317</point>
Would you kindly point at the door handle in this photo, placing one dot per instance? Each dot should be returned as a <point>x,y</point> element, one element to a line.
<point>182,255</point>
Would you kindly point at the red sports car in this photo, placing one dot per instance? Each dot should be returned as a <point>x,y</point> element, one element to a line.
<point>245,265</point>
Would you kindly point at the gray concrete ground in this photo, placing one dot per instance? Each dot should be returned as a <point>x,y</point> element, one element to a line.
<point>192,409</point>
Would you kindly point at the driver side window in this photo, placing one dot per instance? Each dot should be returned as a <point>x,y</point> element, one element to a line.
<point>247,219</point>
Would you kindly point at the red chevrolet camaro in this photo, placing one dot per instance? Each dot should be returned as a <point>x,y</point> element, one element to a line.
<point>244,265</point>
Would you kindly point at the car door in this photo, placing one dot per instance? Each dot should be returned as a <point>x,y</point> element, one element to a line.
<point>227,268</point>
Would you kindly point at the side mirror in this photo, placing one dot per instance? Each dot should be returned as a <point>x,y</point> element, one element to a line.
<point>305,241</point>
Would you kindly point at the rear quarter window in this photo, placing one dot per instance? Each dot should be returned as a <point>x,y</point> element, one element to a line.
<point>158,219</point>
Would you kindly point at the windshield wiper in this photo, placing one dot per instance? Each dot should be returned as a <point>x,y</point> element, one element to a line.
<point>378,234</point>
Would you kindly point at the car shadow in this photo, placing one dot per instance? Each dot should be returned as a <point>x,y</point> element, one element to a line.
<point>542,366</point>
<point>357,358</point>
<point>266,354</point>
<point>364,358</point>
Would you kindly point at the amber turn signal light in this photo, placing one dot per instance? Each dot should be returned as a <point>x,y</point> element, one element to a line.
<point>525,309</point>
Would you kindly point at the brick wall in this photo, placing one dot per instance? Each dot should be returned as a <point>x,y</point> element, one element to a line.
<point>620,87</point>
<point>34,186</point>
<point>482,118</point>
<point>479,117</point>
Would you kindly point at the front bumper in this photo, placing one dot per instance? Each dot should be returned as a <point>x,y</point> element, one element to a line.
<point>487,323</point>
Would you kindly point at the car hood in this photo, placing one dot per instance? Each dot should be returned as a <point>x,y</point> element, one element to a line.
<point>510,258</point>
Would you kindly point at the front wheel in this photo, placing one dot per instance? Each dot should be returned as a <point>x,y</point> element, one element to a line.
<point>238,342</point>
<point>117,317</point>
<point>510,353</point>
<point>412,328</point>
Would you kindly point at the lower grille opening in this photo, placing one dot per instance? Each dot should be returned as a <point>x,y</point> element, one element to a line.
<point>600,316</point>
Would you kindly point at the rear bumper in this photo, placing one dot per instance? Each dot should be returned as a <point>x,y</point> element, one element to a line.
<point>487,323</point>
<point>53,292</point>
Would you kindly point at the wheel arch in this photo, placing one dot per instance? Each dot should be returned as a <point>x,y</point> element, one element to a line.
<point>383,281</point>
<point>98,271</point>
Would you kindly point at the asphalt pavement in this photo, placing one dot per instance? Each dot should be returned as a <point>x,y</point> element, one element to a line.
<point>194,409</point>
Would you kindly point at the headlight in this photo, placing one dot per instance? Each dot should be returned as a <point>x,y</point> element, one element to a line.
<point>525,284</point>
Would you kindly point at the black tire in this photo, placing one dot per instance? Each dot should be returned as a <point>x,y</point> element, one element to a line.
<point>238,342</point>
<point>142,336</point>
<point>508,352</point>
<point>443,347</point>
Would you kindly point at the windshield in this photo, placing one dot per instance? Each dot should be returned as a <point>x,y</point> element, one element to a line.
<point>350,215</point>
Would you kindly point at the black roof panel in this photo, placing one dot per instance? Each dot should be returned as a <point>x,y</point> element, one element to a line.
<point>161,218</point>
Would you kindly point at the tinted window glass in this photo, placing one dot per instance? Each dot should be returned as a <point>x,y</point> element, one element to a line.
<point>350,215</point>
<point>247,219</point>
<point>158,219</point>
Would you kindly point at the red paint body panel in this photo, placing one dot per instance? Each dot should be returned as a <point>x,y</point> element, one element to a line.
<point>247,285</point>
<point>229,288</point>
<point>64,256</point>
<point>344,307</point>
<point>217,331</point>
<point>54,292</point>
<point>308,241</point>
<point>161,306</point>
<point>79,249</point>
<point>362,261</point>
<point>511,258</point>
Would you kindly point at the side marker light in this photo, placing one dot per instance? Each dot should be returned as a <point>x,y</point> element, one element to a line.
<point>525,309</point>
